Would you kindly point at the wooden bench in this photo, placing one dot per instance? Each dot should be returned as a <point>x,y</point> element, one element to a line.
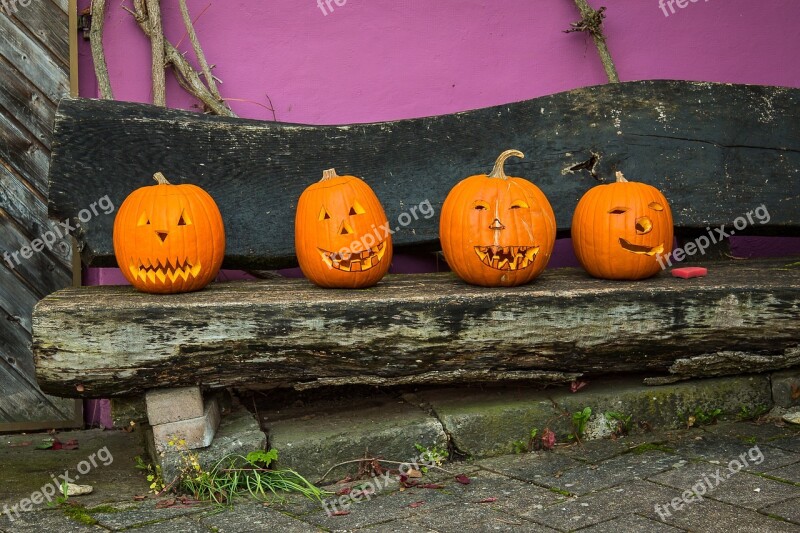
<point>716,151</point>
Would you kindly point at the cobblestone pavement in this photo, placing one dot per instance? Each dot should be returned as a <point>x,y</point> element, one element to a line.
<point>728,477</point>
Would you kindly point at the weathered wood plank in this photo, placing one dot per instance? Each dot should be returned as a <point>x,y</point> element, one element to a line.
<point>33,61</point>
<point>22,100</point>
<point>717,151</point>
<point>19,149</point>
<point>115,341</point>
<point>47,26</point>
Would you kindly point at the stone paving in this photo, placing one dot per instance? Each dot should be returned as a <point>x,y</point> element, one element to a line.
<point>747,473</point>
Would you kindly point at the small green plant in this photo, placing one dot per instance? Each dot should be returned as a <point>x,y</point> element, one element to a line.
<point>746,414</point>
<point>521,446</point>
<point>433,455</point>
<point>702,417</point>
<point>153,473</point>
<point>623,422</point>
<point>579,420</point>
<point>237,475</point>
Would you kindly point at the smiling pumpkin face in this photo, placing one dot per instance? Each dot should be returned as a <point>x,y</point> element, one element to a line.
<point>340,233</point>
<point>619,230</point>
<point>497,230</point>
<point>169,238</point>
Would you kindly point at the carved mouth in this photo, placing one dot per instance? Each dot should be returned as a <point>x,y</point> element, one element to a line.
<point>641,250</point>
<point>152,271</point>
<point>507,257</point>
<point>354,262</point>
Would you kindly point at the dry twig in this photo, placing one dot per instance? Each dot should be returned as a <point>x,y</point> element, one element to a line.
<point>592,22</point>
<point>198,50</point>
<point>98,54</point>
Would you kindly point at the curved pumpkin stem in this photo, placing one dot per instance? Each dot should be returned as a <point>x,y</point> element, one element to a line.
<point>161,179</point>
<point>329,174</point>
<point>620,177</point>
<point>499,170</point>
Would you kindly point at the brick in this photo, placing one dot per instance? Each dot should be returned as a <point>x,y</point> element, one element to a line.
<point>173,405</point>
<point>197,432</point>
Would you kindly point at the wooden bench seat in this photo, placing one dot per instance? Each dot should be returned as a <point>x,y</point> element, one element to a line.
<point>425,328</point>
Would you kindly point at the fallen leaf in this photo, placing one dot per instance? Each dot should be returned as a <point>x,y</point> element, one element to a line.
<point>139,498</point>
<point>548,439</point>
<point>795,391</point>
<point>45,444</point>
<point>488,500</point>
<point>576,385</point>
<point>463,479</point>
<point>344,492</point>
<point>416,504</point>
<point>163,504</point>
<point>340,513</point>
<point>70,445</point>
<point>431,486</point>
<point>414,473</point>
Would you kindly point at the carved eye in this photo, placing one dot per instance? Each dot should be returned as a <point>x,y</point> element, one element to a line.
<point>323,214</point>
<point>617,210</point>
<point>520,204</point>
<point>480,205</point>
<point>144,220</point>
<point>357,209</point>
<point>184,220</point>
<point>657,206</point>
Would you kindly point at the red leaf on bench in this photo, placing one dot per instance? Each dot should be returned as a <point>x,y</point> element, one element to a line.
<point>463,479</point>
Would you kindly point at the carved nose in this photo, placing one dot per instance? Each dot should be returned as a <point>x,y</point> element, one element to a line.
<point>162,235</point>
<point>644,225</point>
<point>346,229</point>
<point>497,225</point>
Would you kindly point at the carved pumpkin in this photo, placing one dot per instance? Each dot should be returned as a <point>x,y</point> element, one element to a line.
<point>342,237</point>
<point>169,238</point>
<point>620,229</point>
<point>497,230</point>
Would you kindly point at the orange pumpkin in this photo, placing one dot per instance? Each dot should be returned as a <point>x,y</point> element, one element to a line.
<point>620,229</point>
<point>497,230</point>
<point>169,238</point>
<point>342,237</point>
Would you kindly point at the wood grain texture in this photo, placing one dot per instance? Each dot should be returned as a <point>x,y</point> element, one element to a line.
<point>717,151</point>
<point>414,328</point>
<point>33,67</point>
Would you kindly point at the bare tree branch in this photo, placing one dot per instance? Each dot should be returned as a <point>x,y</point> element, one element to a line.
<point>198,50</point>
<point>98,54</point>
<point>187,77</point>
<point>592,22</point>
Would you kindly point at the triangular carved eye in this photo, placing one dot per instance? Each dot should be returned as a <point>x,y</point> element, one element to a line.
<point>144,220</point>
<point>323,214</point>
<point>184,220</point>
<point>357,209</point>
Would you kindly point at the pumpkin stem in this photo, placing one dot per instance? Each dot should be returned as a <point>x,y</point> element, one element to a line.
<point>329,174</point>
<point>161,179</point>
<point>499,170</point>
<point>620,177</point>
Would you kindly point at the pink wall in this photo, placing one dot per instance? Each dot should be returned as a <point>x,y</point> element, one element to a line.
<point>373,60</point>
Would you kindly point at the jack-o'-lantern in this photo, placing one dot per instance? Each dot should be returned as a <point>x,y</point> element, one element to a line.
<point>342,237</point>
<point>497,230</point>
<point>169,238</point>
<point>619,230</point>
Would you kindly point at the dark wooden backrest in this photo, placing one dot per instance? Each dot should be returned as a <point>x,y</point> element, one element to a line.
<point>716,151</point>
